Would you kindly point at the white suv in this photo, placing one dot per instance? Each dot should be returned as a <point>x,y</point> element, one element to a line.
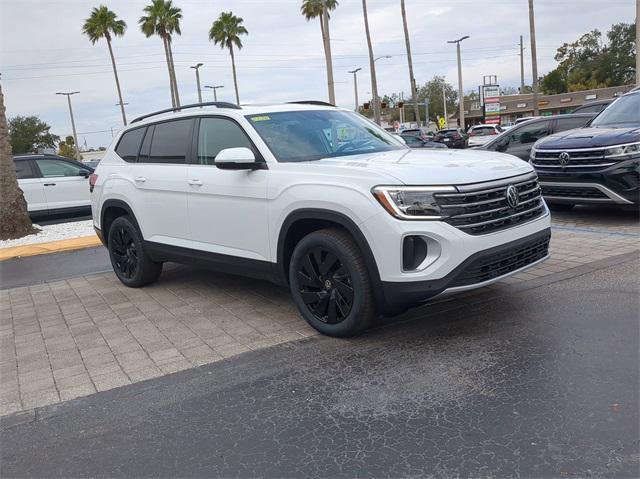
<point>317,198</point>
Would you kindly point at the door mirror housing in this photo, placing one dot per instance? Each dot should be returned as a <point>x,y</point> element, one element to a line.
<point>503,143</point>
<point>84,173</point>
<point>238,159</point>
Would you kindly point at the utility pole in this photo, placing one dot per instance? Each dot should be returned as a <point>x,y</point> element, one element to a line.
<point>460,89</point>
<point>521,66</point>
<point>214,88</point>
<point>355,84</point>
<point>196,67</point>
<point>534,59</point>
<point>444,101</point>
<point>73,123</point>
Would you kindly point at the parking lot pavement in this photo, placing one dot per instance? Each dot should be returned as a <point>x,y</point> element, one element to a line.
<point>70,338</point>
<point>540,383</point>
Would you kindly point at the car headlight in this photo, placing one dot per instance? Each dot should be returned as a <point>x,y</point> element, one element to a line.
<point>532,155</point>
<point>623,152</point>
<point>412,202</point>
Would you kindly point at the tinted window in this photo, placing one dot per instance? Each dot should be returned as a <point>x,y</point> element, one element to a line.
<point>530,133</point>
<point>170,142</point>
<point>570,123</point>
<point>129,144</point>
<point>622,113</point>
<point>24,170</point>
<point>412,140</point>
<point>143,157</point>
<point>590,108</point>
<point>217,134</point>
<point>57,168</point>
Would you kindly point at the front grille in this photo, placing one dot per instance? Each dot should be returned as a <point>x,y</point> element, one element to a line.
<point>493,266</point>
<point>484,209</point>
<point>573,191</point>
<point>577,159</point>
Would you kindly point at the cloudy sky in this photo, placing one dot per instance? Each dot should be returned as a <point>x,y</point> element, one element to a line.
<point>42,51</point>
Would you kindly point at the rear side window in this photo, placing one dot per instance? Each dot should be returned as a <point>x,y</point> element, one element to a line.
<point>530,133</point>
<point>24,170</point>
<point>217,134</point>
<point>170,143</point>
<point>570,123</point>
<point>129,144</point>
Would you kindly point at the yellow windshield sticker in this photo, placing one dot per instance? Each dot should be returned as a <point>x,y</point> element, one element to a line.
<point>260,118</point>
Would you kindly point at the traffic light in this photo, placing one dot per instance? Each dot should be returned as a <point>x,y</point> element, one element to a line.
<point>400,104</point>
<point>383,105</point>
<point>366,106</point>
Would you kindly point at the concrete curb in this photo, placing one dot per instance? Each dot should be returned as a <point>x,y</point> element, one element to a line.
<point>50,247</point>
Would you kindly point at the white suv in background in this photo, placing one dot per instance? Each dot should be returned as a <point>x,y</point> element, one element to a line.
<point>316,198</point>
<point>482,134</point>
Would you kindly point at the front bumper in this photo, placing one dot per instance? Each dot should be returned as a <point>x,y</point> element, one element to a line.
<point>480,269</point>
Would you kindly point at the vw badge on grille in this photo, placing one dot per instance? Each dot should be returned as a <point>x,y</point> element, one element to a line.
<point>512,195</point>
<point>564,158</point>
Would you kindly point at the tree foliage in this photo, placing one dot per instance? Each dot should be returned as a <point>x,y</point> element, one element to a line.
<point>103,23</point>
<point>29,133</point>
<point>594,62</point>
<point>432,91</point>
<point>67,148</point>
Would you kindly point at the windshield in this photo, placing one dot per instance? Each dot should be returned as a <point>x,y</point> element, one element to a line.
<point>622,113</point>
<point>316,134</point>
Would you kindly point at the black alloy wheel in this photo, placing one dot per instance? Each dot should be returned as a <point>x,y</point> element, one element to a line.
<point>325,286</point>
<point>124,252</point>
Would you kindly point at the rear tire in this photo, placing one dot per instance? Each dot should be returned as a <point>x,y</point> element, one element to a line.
<point>330,283</point>
<point>560,206</point>
<point>131,264</point>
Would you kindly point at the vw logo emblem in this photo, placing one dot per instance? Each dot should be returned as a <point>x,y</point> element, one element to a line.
<point>564,158</point>
<point>512,195</point>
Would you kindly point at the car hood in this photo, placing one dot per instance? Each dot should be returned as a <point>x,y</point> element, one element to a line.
<point>434,167</point>
<point>589,138</point>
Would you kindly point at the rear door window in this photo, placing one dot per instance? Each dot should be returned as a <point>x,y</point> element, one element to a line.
<point>564,124</point>
<point>530,133</point>
<point>171,142</point>
<point>129,144</point>
<point>24,170</point>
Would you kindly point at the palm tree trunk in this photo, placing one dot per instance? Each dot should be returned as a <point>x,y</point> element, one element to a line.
<point>14,219</point>
<point>173,73</point>
<point>166,53</point>
<point>372,66</point>
<point>412,80</point>
<point>326,39</point>
<point>115,74</point>
<point>235,79</point>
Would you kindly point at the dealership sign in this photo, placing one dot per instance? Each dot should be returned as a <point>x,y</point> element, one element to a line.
<point>491,100</point>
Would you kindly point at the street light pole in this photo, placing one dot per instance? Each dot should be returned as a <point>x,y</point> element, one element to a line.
<point>460,89</point>
<point>355,84</point>
<point>534,58</point>
<point>444,102</point>
<point>196,67</point>
<point>521,66</point>
<point>214,88</point>
<point>377,110</point>
<point>73,123</point>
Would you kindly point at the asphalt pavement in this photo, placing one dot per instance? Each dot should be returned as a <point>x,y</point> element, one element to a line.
<point>540,383</point>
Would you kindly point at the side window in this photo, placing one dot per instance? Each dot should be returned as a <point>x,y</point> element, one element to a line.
<point>145,149</point>
<point>58,168</point>
<point>24,170</point>
<point>216,134</point>
<point>564,124</point>
<point>170,142</point>
<point>129,144</point>
<point>529,134</point>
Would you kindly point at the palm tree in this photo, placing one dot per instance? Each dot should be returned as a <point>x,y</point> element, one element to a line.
<point>103,23</point>
<point>163,19</point>
<point>412,80</point>
<point>14,219</point>
<point>320,8</point>
<point>226,31</point>
<point>372,65</point>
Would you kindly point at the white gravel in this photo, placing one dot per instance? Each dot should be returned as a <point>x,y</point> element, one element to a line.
<point>57,232</point>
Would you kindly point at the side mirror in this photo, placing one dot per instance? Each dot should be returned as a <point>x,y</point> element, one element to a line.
<point>503,143</point>
<point>237,159</point>
<point>84,173</point>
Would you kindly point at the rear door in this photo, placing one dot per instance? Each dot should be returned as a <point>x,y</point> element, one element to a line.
<point>31,185</point>
<point>570,123</point>
<point>66,183</point>
<point>160,179</point>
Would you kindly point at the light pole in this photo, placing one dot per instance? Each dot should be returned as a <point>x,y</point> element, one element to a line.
<point>534,58</point>
<point>73,123</point>
<point>444,101</point>
<point>460,93</point>
<point>214,88</point>
<point>355,84</point>
<point>376,97</point>
<point>196,67</point>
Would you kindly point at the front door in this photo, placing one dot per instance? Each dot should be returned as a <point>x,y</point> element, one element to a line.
<point>227,208</point>
<point>31,185</point>
<point>66,183</point>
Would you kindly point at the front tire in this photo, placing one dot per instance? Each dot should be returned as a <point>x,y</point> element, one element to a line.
<point>130,262</point>
<point>330,283</point>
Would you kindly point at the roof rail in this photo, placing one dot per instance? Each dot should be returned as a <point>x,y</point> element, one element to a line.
<point>311,102</point>
<point>218,104</point>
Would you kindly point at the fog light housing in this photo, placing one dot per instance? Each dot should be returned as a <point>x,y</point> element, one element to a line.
<point>414,252</point>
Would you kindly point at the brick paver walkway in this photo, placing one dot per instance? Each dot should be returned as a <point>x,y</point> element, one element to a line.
<point>67,339</point>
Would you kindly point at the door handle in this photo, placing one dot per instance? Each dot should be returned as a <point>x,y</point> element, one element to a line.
<point>195,182</point>
<point>140,179</point>
<point>49,184</point>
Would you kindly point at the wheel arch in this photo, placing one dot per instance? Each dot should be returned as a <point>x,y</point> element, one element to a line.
<point>112,209</point>
<point>301,222</point>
